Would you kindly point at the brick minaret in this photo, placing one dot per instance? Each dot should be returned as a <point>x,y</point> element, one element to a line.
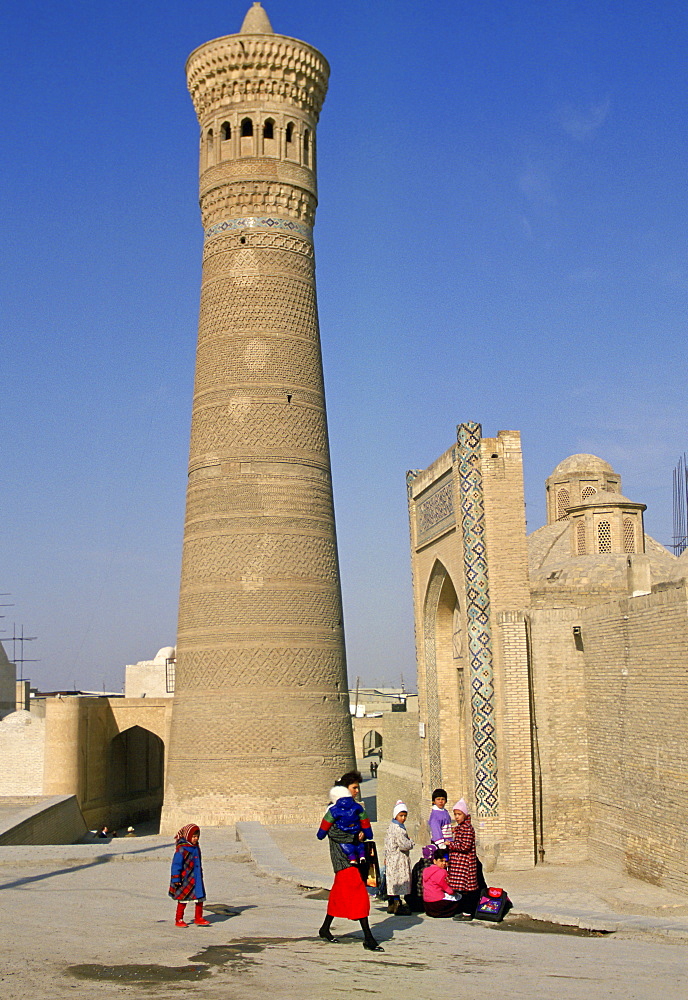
<point>260,724</point>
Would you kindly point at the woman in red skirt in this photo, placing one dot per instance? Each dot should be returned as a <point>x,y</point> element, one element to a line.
<point>348,896</point>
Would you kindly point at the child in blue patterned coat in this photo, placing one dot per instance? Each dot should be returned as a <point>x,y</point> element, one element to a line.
<point>187,875</point>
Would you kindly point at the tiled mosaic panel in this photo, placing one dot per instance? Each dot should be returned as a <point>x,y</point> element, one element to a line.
<point>478,617</point>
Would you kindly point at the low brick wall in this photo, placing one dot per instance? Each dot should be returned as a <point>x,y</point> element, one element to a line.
<point>56,819</point>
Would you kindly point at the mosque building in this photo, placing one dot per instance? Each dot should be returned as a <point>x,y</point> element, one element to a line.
<point>552,668</point>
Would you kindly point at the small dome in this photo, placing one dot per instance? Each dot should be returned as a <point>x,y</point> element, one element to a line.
<point>256,22</point>
<point>581,463</point>
<point>166,653</point>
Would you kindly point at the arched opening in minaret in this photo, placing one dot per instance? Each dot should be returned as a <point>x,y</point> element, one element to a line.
<point>269,142</point>
<point>226,131</point>
<point>307,147</point>
<point>209,147</point>
<point>246,137</point>
<point>289,145</point>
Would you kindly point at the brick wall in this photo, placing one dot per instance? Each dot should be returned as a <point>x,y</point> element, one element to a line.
<point>22,750</point>
<point>636,661</point>
<point>561,748</point>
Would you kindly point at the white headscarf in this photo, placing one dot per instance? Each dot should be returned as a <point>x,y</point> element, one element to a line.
<point>400,807</point>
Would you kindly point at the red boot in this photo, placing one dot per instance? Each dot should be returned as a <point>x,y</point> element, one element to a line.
<point>179,919</point>
<point>199,918</point>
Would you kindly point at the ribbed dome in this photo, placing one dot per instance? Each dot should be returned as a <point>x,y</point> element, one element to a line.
<point>256,22</point>
<point>581,463</point>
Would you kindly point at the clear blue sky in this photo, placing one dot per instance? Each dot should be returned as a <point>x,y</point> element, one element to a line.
<point>501,237</point>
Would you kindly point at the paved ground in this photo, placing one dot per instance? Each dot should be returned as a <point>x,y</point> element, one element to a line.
<point>94,920</point>
<point>585,896</point>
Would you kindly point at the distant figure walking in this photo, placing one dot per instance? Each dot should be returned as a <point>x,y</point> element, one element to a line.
<point>398,846</point>
<point>104,832</point>
<point>348,897</point>
<point>187,875</point>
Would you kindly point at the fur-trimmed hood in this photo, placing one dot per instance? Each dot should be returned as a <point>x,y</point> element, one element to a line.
<point>339,792</point>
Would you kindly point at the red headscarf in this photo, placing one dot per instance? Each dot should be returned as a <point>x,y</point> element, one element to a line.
<point>187,832</point>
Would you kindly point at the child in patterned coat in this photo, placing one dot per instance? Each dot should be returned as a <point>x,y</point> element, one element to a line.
<point>187,875</point>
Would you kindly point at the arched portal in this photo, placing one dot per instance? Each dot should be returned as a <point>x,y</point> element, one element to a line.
<point>444,681</point>
<point>137,767</point>
<point>372,743</point>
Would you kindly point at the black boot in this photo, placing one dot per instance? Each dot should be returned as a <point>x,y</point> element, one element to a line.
<point>325,932</point>
<point>369,942</point>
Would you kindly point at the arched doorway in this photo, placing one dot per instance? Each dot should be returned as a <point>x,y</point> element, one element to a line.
<point>137,767</point>
<point>372,743</point>
<point>445,683</point>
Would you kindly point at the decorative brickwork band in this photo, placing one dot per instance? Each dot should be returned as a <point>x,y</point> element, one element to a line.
<point>260,222</point>
<point>435,511</point>
<point>478,618</point>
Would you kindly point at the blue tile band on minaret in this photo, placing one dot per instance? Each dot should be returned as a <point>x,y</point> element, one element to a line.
<point>478,618</point>
<point>260,222</point>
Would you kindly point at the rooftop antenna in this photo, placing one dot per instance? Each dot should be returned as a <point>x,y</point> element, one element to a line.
<point>680,506</point>
<point>5,606</point>
<point>21,639</point>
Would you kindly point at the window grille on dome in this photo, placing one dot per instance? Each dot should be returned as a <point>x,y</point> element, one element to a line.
<point>604,537</point>
<point>588,491</point>
<point>580,538</point>
<point>628,534</point>
<point>563,501</point>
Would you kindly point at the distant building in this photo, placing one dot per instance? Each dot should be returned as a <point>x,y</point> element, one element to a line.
<point>8,687</point>
<point>151,678</point>
<point>107,750</point>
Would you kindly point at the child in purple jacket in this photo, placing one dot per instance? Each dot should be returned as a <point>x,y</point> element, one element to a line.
<point>440,820</point>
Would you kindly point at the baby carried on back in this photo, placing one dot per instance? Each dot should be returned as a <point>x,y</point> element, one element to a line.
<point>350,817</point>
